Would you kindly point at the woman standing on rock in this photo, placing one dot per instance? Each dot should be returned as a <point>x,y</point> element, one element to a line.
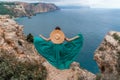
<point>59,50</point>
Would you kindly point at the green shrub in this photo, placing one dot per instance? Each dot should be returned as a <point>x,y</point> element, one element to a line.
<point>30,38</point>
<point>116,37</point>
<point>102,49</point>
<point>5,11</point>
<point>12,69</point>
<point>98,76</point>
<point>7,3</point>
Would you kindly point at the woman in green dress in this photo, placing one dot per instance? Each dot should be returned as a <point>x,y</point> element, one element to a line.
<point>57,49</point>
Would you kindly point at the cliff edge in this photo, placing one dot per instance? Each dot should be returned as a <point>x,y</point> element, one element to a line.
<point>19,59</point>
<point>107,57</point>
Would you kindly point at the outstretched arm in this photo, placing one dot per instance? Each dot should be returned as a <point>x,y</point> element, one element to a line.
<point>47,39</point>
<point>67,39</point>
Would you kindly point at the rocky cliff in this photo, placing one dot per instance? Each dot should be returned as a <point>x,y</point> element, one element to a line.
<point>108,57</point>
<point>19,9</point>
<point>20,61</point>
<point>17,58</point>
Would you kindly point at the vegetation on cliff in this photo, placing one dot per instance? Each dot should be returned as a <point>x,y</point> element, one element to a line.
<point>30,38</point>
<point>4,10</point>
<point>12,69</point>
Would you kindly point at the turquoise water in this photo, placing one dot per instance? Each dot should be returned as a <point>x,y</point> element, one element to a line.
<point>92,23</point>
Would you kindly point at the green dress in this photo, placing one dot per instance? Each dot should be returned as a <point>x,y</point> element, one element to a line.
<point>59,55</point>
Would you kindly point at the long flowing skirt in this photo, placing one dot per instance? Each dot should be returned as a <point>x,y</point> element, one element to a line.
<point>59,55</point>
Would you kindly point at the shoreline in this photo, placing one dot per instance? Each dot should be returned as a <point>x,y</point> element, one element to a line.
<point>33,15</point>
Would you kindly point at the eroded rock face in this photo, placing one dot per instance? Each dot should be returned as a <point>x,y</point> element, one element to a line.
<point>108,56</point>
<point>13,42</point>
<point>20,9</point>
<point>12,38</point>
<point>38,7</point>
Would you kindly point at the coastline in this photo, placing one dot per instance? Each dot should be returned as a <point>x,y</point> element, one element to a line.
<point>24,9</point>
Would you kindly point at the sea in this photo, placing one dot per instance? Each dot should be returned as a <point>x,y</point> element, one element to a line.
<point>93,24</point>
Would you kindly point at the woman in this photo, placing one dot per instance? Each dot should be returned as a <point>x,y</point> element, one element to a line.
<point>57,49</point>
